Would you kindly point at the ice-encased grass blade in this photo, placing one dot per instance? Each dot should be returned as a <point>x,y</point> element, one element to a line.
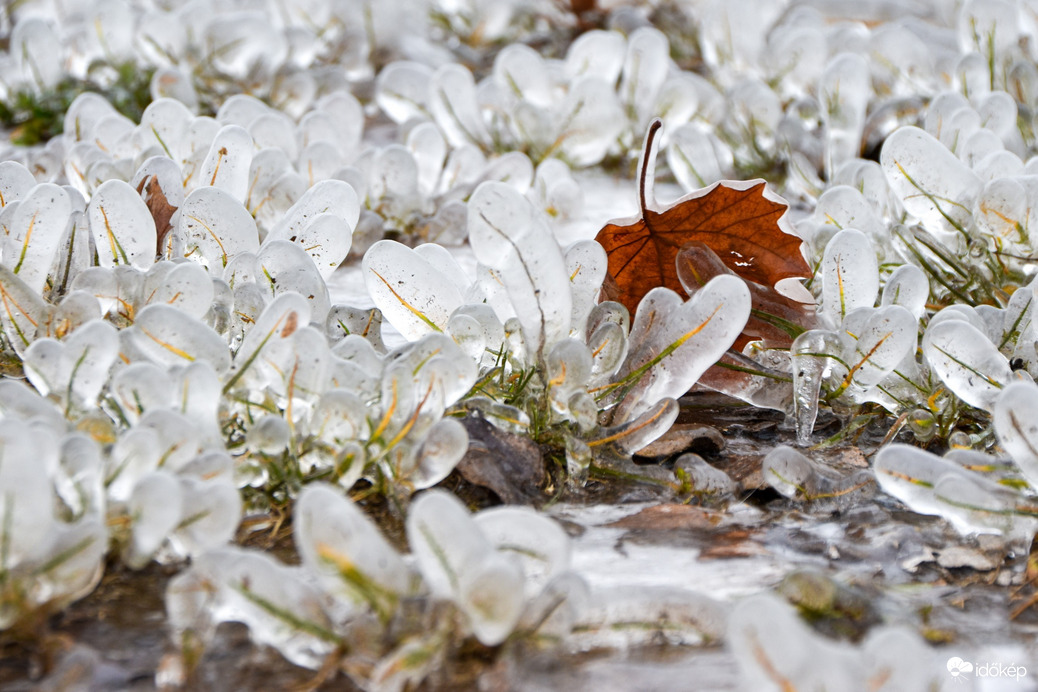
<point>72,565</point>
<point>305,371</point>
<point>122,226</point>
<point>226,166</point>
<point>506,236</point>
<point>26,494</point>
<point>698,157</point>
<point>586,265</point>
<point>443,447</point>
<point>888,337</point>
<point>177,441</point>
<point>23,312</point>
<point>608,346</point>
<point>631,435</point>
<point>917,477</point>
<point>668,355</point>
<point>141,387</point>
<point>283,316</point>
<point>339,416</point>
<point>800,478</point>
<point>977,505</point>
<point>185,286</point>
<point>644,71</point>
<point>445,541</point>
<point>541,545</point>
<point>568,369</point>
<point>522,72</point>
<point>16,182</point>
<point>83,114</point>
<point>966,361</point>
<point>35,233</point>
<point>907,287</point>
<point>453,104</point>
<point>776,650</point>
<point>844,90</point>
<point>133,455</point>
<point>413,295</point>
<point>429,149</point>
<point>155,508</point>
<point>491,595</point>
<point>1016,426</point>
<point>32,49</point>
<point>932,183</point>
<point>286,267</point>
<point>622,616</point>
<point>74,370</point>
<point>592,118</point>
<point>850,275</point>
<point>172,337</point>
<point>214,227</point>
<point>211,517</point>
<point>164,126</point>
<point>278,604</point>
<point>349,556</point>
<point>402,90</point>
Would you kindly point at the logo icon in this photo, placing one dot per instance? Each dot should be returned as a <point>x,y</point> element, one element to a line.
<point>958,668</point>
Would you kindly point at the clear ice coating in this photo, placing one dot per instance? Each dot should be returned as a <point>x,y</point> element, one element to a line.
<point>413,294</point>
<point>907,287</point>
<point>933,184</point>
<point>844,90</point>
<point>169,336</point>
<point>704,480</point>
<point>666,358</point>
<point>34,233</point>
<point>235,584</point>
<point>797,477</point>
<point>850,275</point>
<point>74,370</point>
<point>633,434</point>
<point>887,338</point>
<point>351,559</point>
<point>507,237</point>
<point>459,562</point>
<point>776,650</point>
<point>973,504</point>
<point>214,227</point>
<point>815,356</point>
<point>1017,427</point>
<point>122,227</point>
<point>698,157</point>
<point>910,474</point>
<point>540,544</point>
<point>453,103</point>
<point>966,361</point>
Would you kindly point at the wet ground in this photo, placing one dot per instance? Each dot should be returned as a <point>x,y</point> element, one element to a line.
<point>849,565</point>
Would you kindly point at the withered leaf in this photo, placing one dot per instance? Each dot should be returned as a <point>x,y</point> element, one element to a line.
<point>667,517</point>
<point>161,210</point>
<point>509,465</point>
<point>739,221</point>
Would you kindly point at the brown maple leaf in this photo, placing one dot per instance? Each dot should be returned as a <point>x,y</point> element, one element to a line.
<point>738,221</point>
